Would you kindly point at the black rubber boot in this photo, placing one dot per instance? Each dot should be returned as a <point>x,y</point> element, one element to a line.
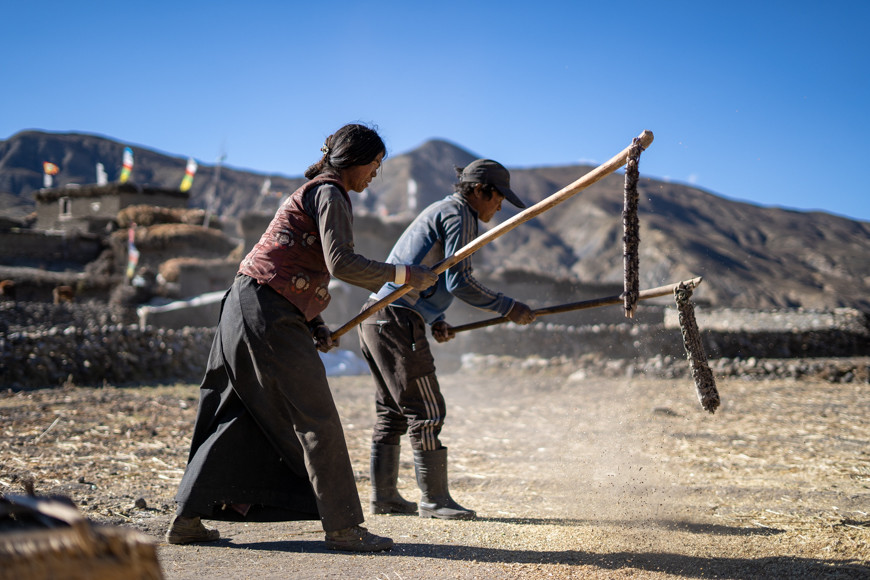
<point>385,472</point>
<point>435,501</point>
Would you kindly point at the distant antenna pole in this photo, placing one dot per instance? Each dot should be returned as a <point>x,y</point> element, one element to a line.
<point>264,191</point>
<point>213,190</point>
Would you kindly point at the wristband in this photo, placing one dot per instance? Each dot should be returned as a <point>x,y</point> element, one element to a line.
<point>401,274</point>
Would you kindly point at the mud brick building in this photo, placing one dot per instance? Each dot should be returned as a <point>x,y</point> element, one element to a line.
<point>93,208</point>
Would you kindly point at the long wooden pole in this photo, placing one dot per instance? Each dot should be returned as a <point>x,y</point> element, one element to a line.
<point>584,304</point>
<point>593,176</point>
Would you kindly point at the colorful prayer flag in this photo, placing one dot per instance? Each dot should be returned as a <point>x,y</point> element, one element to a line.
<point>132,252</point>
<point>128,164</point>
<point>48,169</point>
<point>189,172</point>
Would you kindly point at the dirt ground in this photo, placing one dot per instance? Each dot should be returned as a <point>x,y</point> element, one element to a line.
<point>571,476</point>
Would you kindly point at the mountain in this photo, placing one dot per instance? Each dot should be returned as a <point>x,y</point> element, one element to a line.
<point>750,256</point>
<point>22,155</point>
<point>428,171</point>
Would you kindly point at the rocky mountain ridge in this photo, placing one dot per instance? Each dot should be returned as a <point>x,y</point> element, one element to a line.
<point>77,154</point>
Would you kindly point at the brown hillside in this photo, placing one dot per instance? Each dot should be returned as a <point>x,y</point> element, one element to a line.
<point>750,256</point>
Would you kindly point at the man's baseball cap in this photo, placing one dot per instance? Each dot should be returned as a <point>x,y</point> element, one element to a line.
<point>493,173</point>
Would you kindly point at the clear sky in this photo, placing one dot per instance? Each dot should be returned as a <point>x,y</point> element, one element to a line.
<point>763,101</point>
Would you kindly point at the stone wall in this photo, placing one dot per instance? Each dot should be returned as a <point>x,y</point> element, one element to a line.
<point>795,320</point>
<point>36,285</point>
<point>45,345</point>
<point>631,341</point>
<point>50,251</point>
<point>833,370</point>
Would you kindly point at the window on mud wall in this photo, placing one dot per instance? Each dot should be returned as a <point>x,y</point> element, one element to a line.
<point>65,206</point>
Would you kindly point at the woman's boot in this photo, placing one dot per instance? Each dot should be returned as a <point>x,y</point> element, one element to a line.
<point>385,472</point>
<point>435,502</point>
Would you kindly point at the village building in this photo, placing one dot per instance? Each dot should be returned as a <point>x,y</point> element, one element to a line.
<point>79,238</point>
<point>94,208</point>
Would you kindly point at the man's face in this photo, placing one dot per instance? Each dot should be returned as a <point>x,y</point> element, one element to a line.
<point>486,208</point>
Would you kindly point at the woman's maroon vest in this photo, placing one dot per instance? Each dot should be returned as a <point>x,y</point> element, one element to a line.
<point>289,255</point>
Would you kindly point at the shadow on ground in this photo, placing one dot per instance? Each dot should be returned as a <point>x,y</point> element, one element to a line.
<point>669,563</point>
<point>691,527</point>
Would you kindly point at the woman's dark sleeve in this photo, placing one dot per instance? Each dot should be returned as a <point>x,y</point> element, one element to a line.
<point>334,220</point>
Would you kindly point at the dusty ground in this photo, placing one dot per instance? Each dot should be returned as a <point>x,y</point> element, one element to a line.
<point>571,478</point>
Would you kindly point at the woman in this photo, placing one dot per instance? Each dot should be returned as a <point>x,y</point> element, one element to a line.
<point>268,444</point>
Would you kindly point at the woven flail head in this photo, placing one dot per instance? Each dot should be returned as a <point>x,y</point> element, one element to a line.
<point>701,373</point>
<point>631,231</point>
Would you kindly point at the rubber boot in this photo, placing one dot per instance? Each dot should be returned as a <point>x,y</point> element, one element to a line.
<point>385,472</point>
<point>435,501</point>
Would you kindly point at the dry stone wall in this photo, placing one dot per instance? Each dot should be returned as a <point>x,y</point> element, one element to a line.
<point>46,345</point>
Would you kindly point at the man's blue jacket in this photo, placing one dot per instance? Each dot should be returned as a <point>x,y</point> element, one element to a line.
<point>438,232</point>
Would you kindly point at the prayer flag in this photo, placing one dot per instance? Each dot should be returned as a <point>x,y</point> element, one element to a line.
<point>128,164</point>
<point>48,169</point>
<point>189,172</point>
<point>132,252</point>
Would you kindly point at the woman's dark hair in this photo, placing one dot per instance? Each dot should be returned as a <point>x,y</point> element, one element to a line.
<point>466,188</point>
<point>353,144</point>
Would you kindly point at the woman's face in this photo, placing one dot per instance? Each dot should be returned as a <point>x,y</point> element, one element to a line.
<point>358,177</point>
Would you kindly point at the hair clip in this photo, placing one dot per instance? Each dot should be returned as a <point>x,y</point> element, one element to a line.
<point>325,149</point>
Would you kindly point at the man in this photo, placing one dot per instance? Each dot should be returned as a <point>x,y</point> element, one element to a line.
<point>393,341</point>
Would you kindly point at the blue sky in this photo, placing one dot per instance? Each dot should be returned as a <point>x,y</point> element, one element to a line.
<point>760,101</point>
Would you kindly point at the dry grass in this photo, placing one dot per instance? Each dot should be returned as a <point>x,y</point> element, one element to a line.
<point>592,478</point>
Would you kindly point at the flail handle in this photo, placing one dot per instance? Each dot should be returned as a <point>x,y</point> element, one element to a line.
<point>545,204</point>
<point>584,304</point>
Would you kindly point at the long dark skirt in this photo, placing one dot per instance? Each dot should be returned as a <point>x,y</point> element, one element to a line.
<point>267,432</point>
